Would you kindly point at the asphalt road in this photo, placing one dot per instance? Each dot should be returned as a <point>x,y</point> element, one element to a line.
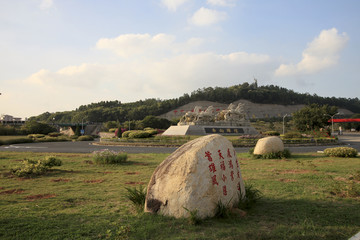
<point>352,140</point>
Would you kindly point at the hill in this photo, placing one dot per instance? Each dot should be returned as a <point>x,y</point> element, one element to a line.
<point>117,111</point>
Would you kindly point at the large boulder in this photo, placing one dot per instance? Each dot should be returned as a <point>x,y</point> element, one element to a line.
<point>269,145</point>
<point>197,176</point>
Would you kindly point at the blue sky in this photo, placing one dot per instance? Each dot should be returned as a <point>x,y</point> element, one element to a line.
<point>59,54</point>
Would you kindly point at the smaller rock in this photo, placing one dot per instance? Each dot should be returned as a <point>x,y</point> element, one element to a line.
<point>269,145</point>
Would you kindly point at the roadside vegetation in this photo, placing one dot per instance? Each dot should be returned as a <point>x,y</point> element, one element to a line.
<point>309,196</point>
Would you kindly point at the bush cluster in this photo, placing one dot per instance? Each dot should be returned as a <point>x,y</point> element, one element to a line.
<point>272,133</point>
<point>273,155</point>
<point>341,152</point>
<point>36,135</point>
<point>107,156</point>
<point>16,140</point>
<point>148,132</point>
<point>292,135</point>
<point>35,167</point>
<point>85,138</point>
<point>139,134</point>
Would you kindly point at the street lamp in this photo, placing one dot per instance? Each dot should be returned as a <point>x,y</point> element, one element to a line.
<point>284,123</point>
<point>332,122</point>
<point>82,127</point>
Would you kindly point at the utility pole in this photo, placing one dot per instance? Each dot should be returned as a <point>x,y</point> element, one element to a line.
<point>284,123</point>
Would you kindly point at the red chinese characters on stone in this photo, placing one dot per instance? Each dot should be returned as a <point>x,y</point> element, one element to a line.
<point>222,165</point>
<point>231,164</point>
<point>237,163</point>
<point>238,174</point>
<point>212,167</point>
<point>224,178</point>
<point>232,175</point>
<point>214,181</point>
<point>224,190</point>
<point>208,155</point>
<point>220,155</point>
<point>238,186</point>
<point>228,153</point>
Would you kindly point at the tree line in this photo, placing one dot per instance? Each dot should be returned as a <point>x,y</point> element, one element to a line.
<point>105,111</point>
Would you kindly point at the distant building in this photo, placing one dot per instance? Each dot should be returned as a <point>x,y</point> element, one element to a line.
<point>8,119</point>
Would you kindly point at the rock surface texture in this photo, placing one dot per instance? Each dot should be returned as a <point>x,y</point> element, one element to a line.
<point>196,176</point>
<point>269,145</point>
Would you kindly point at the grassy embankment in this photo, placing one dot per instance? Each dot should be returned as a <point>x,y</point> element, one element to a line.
<point>309,196</point>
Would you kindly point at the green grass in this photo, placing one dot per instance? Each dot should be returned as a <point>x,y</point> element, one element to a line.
<point>309,196</point>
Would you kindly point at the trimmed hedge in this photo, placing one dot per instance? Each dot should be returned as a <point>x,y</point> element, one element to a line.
<point>341,152</point>
<point>85,138</point>
<point>272,133</point>
<point>139,134</point>
<point>292,135</point>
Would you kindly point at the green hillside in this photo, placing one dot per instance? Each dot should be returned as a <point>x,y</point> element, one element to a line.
<point>116,111</point>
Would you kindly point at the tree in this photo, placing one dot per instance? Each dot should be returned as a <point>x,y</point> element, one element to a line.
<point>77,130</point>
<point>154,122</point>
<point>313,117</point>
<point>111,124</point>
<point>119,132</point>
<point>33,127</point>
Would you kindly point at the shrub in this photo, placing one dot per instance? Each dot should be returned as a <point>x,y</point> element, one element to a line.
<point>151,131</point>
<point>126,134</point>
<point>293,135</point>
<point>273,155</point>
<point>109,157</point>
<point>36,135</point>
<point>16,140</point>
<point>137,197</point>
<point>272,133</point>
<point>341,152</point>
<point>37,127</point>
<point>8,130</point>
<point>252,195</point>
<point>112,130</point>
<point>51,161</point>
<point>118,132</point>
<point>85,138</point>
<point>55,134</point>
<point>35,167</point>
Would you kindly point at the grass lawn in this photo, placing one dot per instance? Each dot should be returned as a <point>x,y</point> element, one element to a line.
<point>309,196</point>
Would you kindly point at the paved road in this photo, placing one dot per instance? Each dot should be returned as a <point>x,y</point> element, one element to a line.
<point>352,140</point>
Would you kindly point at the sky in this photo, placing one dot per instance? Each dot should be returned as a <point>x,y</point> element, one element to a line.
<point>56,55</point>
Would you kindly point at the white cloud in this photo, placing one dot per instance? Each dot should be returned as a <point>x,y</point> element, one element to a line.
<point>164,77</point>
<point>323,52</point>
<point>46,4</point>
<point>173,5</point>
<point>222,3</point>
<point>206,17</point>
<point>134,45</point>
